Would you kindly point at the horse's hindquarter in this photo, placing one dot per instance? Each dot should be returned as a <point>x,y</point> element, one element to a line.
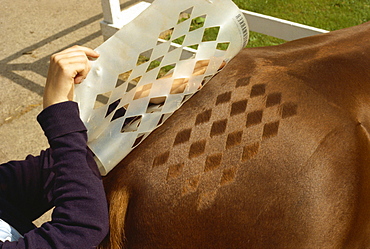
<point>259,158</point>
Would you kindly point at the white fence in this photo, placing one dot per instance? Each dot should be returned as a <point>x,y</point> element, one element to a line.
<point>117,13</point>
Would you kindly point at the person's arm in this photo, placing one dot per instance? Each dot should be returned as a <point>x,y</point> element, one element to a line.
<point>24,188</point>
<point>80,217</point>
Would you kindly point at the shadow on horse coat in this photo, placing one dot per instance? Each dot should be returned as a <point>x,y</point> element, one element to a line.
<point>272,153</point>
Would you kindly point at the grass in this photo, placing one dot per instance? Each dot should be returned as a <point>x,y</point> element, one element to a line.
<point>325,14</point>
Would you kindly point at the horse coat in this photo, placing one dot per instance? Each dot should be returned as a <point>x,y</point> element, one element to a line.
<point>272,153</point>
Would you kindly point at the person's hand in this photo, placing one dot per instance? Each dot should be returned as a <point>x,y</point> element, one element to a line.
<point>67,68</point>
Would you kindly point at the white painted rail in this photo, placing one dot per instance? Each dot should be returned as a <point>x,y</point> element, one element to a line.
<point>279,28</point>
<point>115,17</point>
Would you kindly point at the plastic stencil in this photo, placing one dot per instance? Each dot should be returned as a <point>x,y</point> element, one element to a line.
<point>150,67</point>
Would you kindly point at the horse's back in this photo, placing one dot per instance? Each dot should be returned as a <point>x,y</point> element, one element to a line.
<point>272,152</point>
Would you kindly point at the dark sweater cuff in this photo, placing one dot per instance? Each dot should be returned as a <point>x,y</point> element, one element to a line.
<point>60,119</point>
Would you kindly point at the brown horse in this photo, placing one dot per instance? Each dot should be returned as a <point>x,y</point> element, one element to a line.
<point>274,152</point>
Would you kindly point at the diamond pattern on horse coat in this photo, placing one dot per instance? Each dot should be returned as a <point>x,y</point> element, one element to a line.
<point>235,115</point>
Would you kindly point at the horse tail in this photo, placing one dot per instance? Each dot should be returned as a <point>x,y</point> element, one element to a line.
<point>118,202</point>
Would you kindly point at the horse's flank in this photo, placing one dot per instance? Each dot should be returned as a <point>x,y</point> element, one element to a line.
<point>272,153</point>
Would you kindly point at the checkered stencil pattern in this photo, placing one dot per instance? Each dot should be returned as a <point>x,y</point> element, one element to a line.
<point>127,95</point>
<point>224,137</point>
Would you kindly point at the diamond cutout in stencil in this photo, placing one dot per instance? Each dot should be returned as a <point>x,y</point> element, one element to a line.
<point>185,15</point>
<point>138,140</point>
<point>165,69</point>
<point>171,48</point>
<point>131,124</point>
<point>144,57</point>
<point>122,78</point>
<point>133,83</point>
<point>119,113</point>
<point>166,35</point>
<point>200,67</point>
<point>179,40</point>
<point>210,34</point>
<point>179,86</point>
<point>195,46</point>
<point>155,63</point>
<point>102,99</point>
<point>112,107</point>
<point>197,22</point>
<point>223,45</point>
<point>143,91</point>
<point>185,55</point>
<point>155,107</point>
<point>119,82</point>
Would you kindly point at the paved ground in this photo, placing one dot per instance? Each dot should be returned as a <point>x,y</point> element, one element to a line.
<point>31,31</point>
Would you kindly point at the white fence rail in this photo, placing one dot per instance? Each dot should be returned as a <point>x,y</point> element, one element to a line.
<point>115,17</point>
<point>279,28</point>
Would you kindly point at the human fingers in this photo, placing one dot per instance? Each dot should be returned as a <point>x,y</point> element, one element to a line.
<point>88,51</point>
<point>73,65</point>
<point>66,68</point>
<point>74,53</point>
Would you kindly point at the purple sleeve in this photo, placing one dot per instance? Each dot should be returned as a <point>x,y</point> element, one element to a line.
<point>80,217</point>
<point>26,190</point>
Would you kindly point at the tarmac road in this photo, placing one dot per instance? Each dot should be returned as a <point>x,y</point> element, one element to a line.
<point>32,30</point>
